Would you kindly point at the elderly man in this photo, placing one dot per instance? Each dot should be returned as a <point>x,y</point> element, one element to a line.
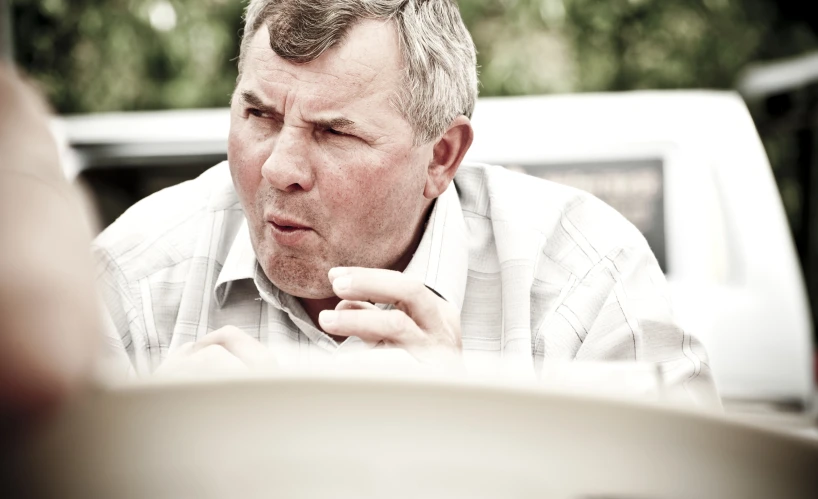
<point>344,221</point>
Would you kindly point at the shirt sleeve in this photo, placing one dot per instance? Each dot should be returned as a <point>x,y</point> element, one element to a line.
<point>116,360</point>
<point>630,317</point>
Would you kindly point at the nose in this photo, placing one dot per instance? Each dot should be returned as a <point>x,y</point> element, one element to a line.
<point>288,167</point>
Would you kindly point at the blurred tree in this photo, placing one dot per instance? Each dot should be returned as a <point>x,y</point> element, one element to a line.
<point>150,54</point>
<point>542,46</point>
<point>632,44</point>
<point>129,54</point>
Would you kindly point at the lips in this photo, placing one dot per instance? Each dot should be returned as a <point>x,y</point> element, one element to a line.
<point>284,223</point>
<point>287,231</point>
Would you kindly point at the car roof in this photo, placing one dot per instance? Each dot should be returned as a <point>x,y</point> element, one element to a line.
<point>562,122</point>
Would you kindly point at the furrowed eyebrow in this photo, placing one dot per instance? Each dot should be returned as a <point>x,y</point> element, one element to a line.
<point>339,123</point>
<point>336,123</point>
<point>253,100</point>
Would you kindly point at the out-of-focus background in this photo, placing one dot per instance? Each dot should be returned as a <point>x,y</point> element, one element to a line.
<point>110,55</point>
<point>101,56</point>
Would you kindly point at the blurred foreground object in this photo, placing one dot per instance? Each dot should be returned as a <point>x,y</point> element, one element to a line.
<point>310,436</point>
<point>687,168</point>
<point>48,319</point>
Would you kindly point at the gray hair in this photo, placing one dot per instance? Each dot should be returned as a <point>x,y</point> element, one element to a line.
<point>440,64</point>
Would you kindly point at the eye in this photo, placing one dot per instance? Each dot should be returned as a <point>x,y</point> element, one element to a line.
<point>333,131</point>
<point>262,118</point>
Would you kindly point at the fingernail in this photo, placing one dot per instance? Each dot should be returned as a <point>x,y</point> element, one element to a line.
<point>337,272</point>
<point>327,317</point>
<point>342,283</point>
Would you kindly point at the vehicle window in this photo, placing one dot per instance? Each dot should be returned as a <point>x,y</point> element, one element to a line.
<point>116,187</point>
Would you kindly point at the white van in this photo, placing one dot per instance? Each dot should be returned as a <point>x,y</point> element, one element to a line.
<point>687,168</point>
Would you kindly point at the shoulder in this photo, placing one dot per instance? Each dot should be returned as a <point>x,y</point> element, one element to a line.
<point>491,191</point>
<point>578,229</point>
<point>163,228</point>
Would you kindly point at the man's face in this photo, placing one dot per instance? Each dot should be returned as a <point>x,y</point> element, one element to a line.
<point>324,166</point>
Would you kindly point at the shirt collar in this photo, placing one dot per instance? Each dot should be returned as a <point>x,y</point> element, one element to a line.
<point>440,261</point>
<point>239,264</point>
<point>442,258</point>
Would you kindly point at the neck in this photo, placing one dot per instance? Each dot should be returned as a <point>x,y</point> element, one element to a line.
<point>313,307</point>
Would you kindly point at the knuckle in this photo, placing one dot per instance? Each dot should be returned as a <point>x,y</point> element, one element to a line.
<point>230,331</point>
<point>409,288</point>
<point>185,349</point>
<point>417,289</point>
<point>397,321</point>
<point>451,313</point>
<point>212,353</point>
<point>413,292</point>
<point>226,335</point>
<point>225,338</point>
<point>213,337</point>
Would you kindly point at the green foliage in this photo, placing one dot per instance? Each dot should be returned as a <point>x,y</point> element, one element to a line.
<point>126,54</point>
<point>107,55</point>
<point>544,46</point>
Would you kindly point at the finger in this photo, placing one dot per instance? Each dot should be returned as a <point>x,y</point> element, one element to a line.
<point>355,305</point>
<point>391,326</point>
<point>182,351</point>
<point>213,360</point>
<point>387,286</point>
<point>216,359</point>
<point>240,344</point>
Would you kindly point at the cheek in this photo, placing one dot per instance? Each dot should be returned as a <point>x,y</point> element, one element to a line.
<point>245,162</point>
<point>378,195</point>
<point>352,187</point>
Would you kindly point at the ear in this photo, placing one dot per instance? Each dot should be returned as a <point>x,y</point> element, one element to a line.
<point>447,154</point>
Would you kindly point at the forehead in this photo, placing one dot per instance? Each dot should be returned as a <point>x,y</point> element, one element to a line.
<point>365,66</point>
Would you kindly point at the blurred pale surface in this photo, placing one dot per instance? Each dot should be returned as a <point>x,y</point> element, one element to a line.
<point>313,436</point>
<point>47,307</point>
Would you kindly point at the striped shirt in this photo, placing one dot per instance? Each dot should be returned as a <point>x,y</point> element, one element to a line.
<point>539,271</point>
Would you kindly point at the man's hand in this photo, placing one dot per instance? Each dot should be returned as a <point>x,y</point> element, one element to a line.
<point>225,352</point>
<point>422,323</point>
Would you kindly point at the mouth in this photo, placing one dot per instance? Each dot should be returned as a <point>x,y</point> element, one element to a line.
<point>288,232</point>
<point>286,224</point>
<point>287,228</point>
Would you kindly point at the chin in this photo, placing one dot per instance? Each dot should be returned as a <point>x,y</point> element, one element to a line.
<point>306,292</point>
<point>299,278</point>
